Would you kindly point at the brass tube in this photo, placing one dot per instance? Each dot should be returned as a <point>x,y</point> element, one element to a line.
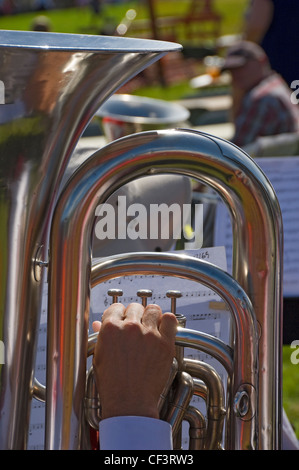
<point>197,428</point>
<point>257,233</point>
<point>194,269</point>
<point>215,402</point>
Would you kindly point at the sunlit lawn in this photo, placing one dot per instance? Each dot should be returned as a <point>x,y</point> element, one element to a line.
<point>78,20</point>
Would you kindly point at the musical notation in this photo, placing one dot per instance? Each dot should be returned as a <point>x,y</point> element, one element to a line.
<point>283,174</point>
<point>199,304</point>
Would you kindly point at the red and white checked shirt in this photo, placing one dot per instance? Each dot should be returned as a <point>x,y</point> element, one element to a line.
<point>266,110</point>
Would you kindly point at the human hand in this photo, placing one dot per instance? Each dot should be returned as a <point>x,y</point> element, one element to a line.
<point>133,358</point>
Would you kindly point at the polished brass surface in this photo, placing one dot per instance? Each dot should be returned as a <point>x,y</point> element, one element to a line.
<point>53,84</point>
<point>257,238</point>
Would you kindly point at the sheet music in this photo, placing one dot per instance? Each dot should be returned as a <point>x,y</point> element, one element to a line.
<point>284,176</point>
<point>194,292</point>
<point>37,417</point>
<point>204,311</point>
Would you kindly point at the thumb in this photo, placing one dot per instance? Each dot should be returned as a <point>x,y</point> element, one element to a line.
<point>96,326</point>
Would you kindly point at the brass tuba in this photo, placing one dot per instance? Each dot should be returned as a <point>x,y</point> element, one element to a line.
<point>48,102</point>
<point>257,264</point>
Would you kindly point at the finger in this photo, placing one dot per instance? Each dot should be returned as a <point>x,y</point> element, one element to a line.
<point>168,325</point>
<point>96,325</point>
<point>134,312</point>
<point>152,316</point>
<point>114,312</point>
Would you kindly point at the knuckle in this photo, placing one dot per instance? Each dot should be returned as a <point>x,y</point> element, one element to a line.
<point>132,328</point>
<point>109,330</point>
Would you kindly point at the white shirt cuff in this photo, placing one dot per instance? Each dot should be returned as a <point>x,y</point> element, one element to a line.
<point>135,433</point>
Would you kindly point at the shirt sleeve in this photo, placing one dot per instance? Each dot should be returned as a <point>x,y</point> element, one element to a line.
<point>250,121</point>
<point>135,433</point>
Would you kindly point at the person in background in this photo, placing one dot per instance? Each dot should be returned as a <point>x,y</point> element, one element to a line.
<point>261,99</point>
<point>273,24</point>
<point>41,23</point>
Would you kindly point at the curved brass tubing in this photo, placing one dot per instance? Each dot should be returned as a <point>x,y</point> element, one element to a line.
<point>171,264</point>
<point>257,255</point>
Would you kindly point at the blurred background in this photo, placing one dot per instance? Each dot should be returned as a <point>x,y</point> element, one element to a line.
<point>204,27</point>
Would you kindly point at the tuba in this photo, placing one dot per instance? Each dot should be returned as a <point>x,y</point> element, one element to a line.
<point>257,233</point>
<point>61,82</point>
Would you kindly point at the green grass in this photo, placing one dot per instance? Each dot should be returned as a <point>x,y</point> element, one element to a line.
<point>232,12</point>
<point>82,21</point>
<point>78,20</point>
<point>70,20</point>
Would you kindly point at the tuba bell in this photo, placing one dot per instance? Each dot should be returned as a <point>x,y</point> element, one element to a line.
<point>52,85</point>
